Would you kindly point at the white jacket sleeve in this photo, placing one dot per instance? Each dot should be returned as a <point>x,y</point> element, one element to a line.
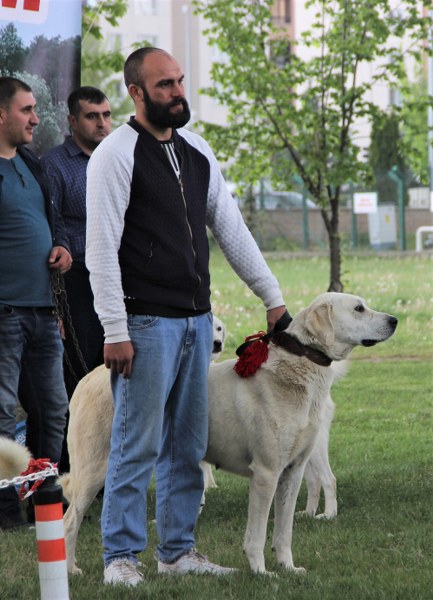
<point>233,236</point>
<point>109,176</point>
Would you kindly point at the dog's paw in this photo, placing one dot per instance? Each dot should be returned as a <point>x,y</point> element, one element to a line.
<point>75,570</point>
<point>326,517</point>
<point>299,570</point>
<point>293,569</point>
<point>303,514</point>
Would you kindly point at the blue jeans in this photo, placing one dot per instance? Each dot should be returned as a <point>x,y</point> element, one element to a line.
<point>30,342</point>
<point>160,421</point>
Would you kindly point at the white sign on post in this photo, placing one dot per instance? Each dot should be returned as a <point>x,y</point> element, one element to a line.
<point>365,203</point>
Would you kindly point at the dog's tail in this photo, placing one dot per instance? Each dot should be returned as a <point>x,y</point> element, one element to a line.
<point>65,481</point>
<point>14,458</point>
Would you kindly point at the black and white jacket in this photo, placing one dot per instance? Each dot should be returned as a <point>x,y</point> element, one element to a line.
<point>147,248</point>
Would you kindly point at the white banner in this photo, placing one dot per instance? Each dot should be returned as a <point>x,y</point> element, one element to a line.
<point>365,203</point>
<point>40,43</point>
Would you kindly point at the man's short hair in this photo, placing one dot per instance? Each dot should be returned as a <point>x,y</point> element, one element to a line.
<point>9,86</point>
<point>89,94</point>
<point>132,67</point>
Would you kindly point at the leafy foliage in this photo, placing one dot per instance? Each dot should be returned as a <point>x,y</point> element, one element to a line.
<point>57,61</point>
<point>110,10</point>
<point>12,50</point>
<point>385,154</point>
<point>102,69</point>
<point>413,118</point>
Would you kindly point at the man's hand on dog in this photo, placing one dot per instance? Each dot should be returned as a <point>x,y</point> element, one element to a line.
<point>273,315</point>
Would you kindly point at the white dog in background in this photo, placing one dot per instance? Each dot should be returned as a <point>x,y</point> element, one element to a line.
<point>263,427</point>
<point>14,458</point>
<point>219,336</point>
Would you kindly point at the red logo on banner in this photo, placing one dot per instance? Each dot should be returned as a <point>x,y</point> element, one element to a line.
<point>25,11</point>
<point>28,4</point>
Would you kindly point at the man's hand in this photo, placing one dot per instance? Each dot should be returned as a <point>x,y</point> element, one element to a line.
<point>60,259</point>
<point>273,315</point>
<point>118,357</point>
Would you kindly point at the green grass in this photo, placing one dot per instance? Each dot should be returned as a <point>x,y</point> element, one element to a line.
<point>380,545</point>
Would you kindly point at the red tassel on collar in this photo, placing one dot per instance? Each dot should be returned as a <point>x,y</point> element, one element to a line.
<point>254,353</point>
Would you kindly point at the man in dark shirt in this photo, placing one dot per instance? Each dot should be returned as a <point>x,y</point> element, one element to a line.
<point>65,165</point>
<point>32,247</point>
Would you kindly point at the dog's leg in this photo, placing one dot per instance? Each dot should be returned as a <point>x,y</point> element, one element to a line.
<point>286,495</point>
<point>314,487</point>
<point>328,480</point>
<point>262,489</point>
<point>81,494</point>
<point>329,484</point>
<point>209,481</point>
<point>318,473</point>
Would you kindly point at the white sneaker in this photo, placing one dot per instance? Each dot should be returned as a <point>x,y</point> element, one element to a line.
<point>192,562</point>
<point>122,570</point>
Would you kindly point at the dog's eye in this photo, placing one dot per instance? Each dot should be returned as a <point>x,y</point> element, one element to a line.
<point>360,308</point>
<point>219,328</point>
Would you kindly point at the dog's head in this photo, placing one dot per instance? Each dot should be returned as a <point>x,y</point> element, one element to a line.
<point>219,335</point>
<point>335,323</point>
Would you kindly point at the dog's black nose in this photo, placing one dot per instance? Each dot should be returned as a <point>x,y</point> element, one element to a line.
<point>217,346</point>
<point>393,321</point>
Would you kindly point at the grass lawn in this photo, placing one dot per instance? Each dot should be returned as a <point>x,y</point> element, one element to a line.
<point>381,447</point>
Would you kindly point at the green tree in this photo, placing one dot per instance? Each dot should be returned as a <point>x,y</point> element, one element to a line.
<point>104,69</point>
<point>414,120</point>
<point>100,66</point>
<point>92,14</point>
<point>297,113</point>
<point>385,153</point>
<point>12,50</point>
<point>56,61</point>
<point>110,10</point>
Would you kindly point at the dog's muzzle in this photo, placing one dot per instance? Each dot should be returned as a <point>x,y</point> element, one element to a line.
<point>392,322</point>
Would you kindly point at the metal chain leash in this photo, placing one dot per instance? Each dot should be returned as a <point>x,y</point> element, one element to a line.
<point>63,313</point>
<point>20,479</point>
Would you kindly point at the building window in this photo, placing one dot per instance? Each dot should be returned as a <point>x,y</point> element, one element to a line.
<point>146,7</point>
<point>287,11</point>
<point>282,11</point>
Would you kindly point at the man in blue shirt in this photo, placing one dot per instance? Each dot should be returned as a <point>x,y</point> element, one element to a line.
<point>65,165</point>
<point>32,247</point>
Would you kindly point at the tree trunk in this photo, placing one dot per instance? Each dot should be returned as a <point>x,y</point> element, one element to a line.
<point>335,284</point>
<point>332,227</point>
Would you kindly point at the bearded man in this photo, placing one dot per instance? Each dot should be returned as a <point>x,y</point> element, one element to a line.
<point>152,188</point>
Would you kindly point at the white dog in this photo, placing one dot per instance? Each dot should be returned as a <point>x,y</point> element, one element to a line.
<point>263,427</point>
<point>219,336</point>
<point>14,458</point>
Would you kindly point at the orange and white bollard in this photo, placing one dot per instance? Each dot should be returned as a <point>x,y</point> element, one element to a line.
<point>50,538</point>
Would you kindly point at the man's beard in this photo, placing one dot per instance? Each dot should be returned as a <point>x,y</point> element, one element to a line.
<point>161,116</point>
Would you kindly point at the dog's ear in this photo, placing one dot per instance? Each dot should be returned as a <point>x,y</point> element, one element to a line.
<point>318,323</point>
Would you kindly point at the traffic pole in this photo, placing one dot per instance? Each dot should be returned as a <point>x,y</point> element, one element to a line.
<point>50,539</point>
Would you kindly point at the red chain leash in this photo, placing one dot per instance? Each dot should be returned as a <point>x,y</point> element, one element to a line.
<point>35,466</point>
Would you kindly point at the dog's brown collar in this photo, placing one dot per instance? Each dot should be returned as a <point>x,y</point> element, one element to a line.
<point>294,346</point>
